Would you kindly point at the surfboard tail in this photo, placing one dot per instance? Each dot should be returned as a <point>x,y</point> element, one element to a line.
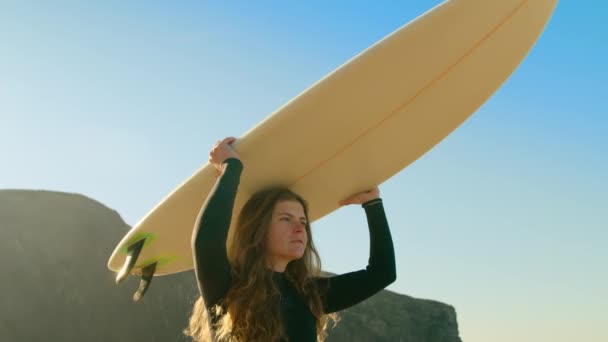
<point>147,272</point>
<point>133,252</point>
<point>146,279</point>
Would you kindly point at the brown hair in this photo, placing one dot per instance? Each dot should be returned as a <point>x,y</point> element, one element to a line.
<point>251,309</point>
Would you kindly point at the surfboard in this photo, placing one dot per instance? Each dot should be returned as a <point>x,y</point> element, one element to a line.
<point>356,127</point>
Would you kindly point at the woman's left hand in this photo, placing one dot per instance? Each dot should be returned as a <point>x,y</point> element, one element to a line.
<point>362,197</point>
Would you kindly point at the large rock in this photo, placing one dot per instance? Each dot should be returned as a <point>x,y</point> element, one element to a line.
<point>389,316</point>
<point>56,287</point>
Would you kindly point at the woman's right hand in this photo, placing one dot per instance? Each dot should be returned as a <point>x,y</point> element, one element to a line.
<point>220,152</point>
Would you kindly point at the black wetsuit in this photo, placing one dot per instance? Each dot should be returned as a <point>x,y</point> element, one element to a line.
<point>345,290</point>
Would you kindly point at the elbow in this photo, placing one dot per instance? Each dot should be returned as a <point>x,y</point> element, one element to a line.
<point>194,239</point>
<point>390,274</point>
<point>193,244</point>
<point>384,276</point>
<point>390,277</point>
<point>194,249</point>
<point>196,242</point>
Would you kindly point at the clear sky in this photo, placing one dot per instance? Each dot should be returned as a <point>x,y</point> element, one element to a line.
<point>506,219</point>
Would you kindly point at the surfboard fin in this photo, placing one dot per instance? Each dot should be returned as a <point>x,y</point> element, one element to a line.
<point>147,273</point>
<point>132,255</point>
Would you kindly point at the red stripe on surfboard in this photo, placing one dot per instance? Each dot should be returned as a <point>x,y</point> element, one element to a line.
<point>423,89</point>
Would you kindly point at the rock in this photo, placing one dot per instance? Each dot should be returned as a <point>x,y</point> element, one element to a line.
<point>56,286</point>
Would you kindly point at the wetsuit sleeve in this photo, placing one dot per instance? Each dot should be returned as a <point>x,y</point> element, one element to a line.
<point>348,289</point>
<point>210,232</point>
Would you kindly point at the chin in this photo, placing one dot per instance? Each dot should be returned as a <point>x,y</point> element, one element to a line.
<point>295,253</point>
<point>297,257</point>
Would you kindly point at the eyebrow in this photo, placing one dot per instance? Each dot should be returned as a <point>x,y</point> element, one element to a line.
<point>288,214</point>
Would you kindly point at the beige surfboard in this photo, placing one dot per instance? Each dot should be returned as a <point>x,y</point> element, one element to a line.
<point>359,125</point>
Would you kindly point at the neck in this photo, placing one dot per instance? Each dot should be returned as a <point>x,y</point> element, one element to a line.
<point>277,266</point>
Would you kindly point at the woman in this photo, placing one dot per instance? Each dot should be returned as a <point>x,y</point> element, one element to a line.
<point>269,288</point>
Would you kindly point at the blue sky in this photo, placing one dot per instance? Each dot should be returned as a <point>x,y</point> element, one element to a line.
<point>505,219</point>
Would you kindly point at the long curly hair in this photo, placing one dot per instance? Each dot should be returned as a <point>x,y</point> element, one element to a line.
<point>251,309</point>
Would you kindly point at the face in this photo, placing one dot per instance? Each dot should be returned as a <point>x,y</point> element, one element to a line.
<point>287,238</point>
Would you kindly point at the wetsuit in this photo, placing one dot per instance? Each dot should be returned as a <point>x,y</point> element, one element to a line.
<point>345,290</point>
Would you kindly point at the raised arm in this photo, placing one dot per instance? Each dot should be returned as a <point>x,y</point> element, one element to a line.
<point>210,232</point>
<point>346,290</point>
